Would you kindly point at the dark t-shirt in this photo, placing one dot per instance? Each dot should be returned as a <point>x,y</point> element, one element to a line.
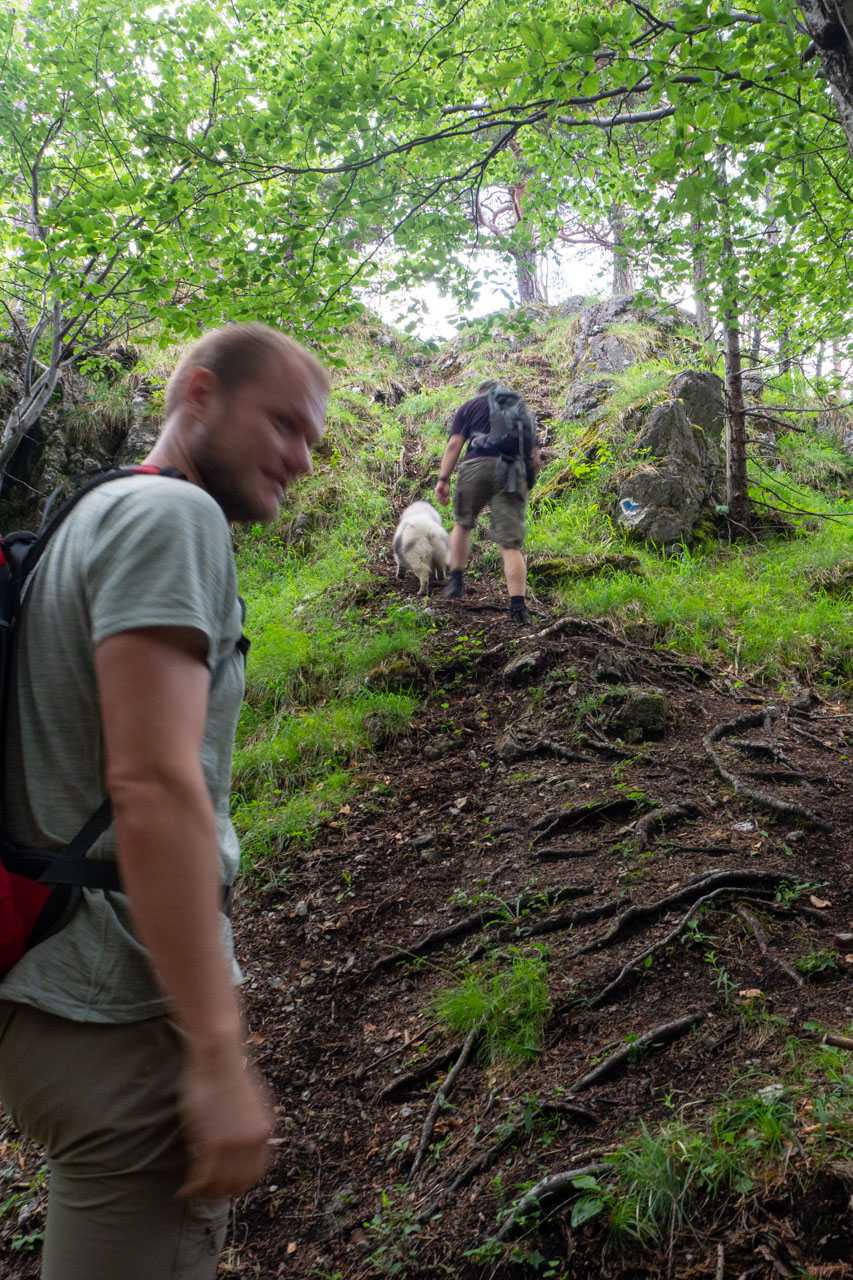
<point>471,419</point>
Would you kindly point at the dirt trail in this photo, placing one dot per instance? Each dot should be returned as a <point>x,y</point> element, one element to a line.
<point>545,834</point>
<point>515,813</point>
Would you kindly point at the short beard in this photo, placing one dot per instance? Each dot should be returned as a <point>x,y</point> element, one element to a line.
<point>222,486</point>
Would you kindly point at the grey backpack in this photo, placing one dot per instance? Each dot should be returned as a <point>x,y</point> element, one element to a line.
<point>512,431</point>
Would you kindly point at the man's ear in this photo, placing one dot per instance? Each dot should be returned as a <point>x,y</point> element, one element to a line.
<point>199,388</point>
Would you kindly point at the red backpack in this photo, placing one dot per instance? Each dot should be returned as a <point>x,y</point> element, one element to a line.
<point>39,891</point>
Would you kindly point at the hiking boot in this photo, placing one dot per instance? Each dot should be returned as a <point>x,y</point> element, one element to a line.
<point>521,616</point>
<point>453,590</point>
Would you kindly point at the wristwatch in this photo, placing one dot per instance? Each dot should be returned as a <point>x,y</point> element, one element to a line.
<point>444,479</point>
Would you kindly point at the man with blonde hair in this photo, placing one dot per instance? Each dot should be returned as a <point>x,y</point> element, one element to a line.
<point>496,473</point>
<point>121,1044</point>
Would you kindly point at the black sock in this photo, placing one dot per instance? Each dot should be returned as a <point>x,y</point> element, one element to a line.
<point>516,602</point>
<point>455,575</point>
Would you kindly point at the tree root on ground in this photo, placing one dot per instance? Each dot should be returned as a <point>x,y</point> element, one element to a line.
<point>763,751</point>
<point>556,822</point>
<point>554,1184</point>
<point>570,919</point>
<point>479,920</point>
<point>662,1035</point>
<point>557,855</point>
<point>812,737</point>
<point>627,969</point>
<point>487,1158</point>
<point>553,924</point>
<point>420,1072</point>
<point>764,946</point>
<point>726,850</point>
<point>644,827</point>
<point>637,915</point>
<point>441,1093</point>
<point>762,798</point>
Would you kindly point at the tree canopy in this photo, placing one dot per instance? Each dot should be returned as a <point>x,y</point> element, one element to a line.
<point>212,161</point>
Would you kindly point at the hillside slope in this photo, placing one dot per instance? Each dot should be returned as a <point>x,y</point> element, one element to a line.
<point>620,841</point>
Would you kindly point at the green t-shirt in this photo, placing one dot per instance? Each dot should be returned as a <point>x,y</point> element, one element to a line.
<point>138,552</point>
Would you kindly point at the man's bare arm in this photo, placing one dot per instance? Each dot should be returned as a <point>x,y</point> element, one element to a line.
<point>445,469</point>
<point>153,686</point>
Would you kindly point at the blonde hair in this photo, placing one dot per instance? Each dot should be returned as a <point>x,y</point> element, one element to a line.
<point>240,353</point>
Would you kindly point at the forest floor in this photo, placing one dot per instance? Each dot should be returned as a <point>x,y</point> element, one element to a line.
<point>683,953</point>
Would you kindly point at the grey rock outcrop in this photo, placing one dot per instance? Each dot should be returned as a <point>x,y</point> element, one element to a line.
<point>702,396</point>
<point>680,473</point>
<point>598,353</point>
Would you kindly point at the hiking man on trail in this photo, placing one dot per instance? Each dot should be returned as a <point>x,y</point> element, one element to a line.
<point>121,1046</point>
<point>499,469</point>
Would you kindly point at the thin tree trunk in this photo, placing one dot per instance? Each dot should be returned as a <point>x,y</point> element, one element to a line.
<point>830,25</point>
<point>755,344</point>
<point>36,392</point>
<point>784,351</point>
<point>528,276</point>
<point>623,273</point>
<point>737,486</point>
<point>700,287</point>
<point>818,373</point>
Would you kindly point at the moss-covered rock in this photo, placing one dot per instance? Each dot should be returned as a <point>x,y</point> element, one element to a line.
<point>554,568</point>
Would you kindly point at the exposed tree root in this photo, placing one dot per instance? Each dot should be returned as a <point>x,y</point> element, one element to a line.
<point>557,749</point>
<point>764,946</point>
<point>480,920</point>
<point>787,775</point>
<point>763,751</point>
<point>660,657</point>
<point>812,737</point>
<point>441,1093</point>
<point>486,1159</point>
<point>571,919</point>
<point>762,798</point>
<point>662,1035</point>
<point>420,1072</point>
<point>554,1184</point>
<point>639,915</point>
<point>555,822</point>
<point>579,626</point>
<point>625,972</point>
<point>644,827</point>
<point>557,855</point>
<point>724,849</point>
<point>840,1042</point>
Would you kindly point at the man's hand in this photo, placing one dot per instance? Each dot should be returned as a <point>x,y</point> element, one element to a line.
<point>153,686</point>
<point>442,492</point>
<point>227,1122</point>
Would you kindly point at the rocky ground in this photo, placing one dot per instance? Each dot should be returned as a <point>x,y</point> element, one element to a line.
<point>632,813</point>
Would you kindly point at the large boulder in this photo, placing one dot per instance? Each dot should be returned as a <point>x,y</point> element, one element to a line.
<point>702,396</point>
<point>680,472</point>
<point>598,353</point>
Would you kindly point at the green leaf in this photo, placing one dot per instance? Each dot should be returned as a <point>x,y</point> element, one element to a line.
<point>585,1208</point>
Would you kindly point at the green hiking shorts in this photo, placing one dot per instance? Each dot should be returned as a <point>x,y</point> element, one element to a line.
<point>477,487</point>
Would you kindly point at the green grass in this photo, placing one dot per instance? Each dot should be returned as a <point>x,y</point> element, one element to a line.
<point>507,999</point>
<point>318,629</point>
<point>754,599</point>
<point>310,722</point>
<point>677,1178</point>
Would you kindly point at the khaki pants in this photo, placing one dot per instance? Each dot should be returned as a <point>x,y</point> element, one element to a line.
<point>477,487</point>
<point>102,1100</point>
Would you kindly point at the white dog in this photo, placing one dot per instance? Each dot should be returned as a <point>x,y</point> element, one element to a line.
<point>421,544</point>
